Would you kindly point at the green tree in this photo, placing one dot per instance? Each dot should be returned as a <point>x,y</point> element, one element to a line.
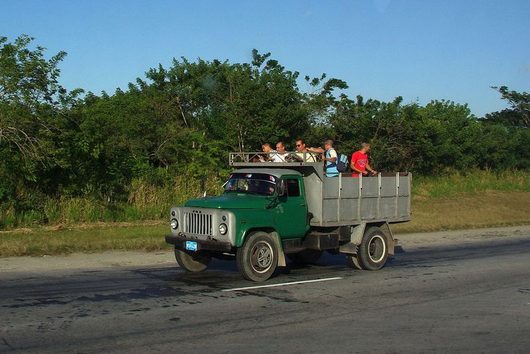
<point>184,119</point>
<point>30,100</point>
<point>518,115</point>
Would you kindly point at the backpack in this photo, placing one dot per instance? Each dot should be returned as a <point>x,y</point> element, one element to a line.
<point>342,163</point>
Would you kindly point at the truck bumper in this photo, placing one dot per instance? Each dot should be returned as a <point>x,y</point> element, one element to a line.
<point>202,245</point>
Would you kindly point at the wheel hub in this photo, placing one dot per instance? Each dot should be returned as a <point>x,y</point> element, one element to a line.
<point>261,257</point>
<point>376,248</point>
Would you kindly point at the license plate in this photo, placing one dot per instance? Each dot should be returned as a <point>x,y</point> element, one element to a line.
<point>191,245</point>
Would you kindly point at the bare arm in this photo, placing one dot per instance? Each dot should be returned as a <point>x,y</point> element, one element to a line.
<point>317,150</point>
<point>355,169</point>
<point>369,168</point>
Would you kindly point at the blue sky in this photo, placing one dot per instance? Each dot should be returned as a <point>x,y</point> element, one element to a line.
<point>419,49</point>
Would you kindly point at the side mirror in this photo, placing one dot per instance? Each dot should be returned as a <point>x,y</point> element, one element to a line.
<point>281,188</point>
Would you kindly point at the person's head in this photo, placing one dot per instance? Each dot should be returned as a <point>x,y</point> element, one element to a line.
<point>280,147</point>
<point>300,145</point>
<point>328,144</point>
<point>266,147</point>
<point>365,147</point>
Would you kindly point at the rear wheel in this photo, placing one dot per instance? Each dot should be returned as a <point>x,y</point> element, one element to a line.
<point>257,259</point>
<point>373,250</point>
<point>192,262</point>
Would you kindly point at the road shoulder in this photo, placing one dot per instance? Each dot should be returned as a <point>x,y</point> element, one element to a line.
<point>114,259</point>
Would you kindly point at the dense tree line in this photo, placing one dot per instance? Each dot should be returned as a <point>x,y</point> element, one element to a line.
<point>183,120</point>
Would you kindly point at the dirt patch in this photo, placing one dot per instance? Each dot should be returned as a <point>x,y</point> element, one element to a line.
<point>458,237</point>
<point>108,259</point>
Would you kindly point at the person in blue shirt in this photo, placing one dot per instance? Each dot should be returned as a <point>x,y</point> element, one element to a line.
<point>330,158</point>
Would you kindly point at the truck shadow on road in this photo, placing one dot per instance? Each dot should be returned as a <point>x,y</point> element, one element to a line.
<point>125,284</point>
<point>224,273</point>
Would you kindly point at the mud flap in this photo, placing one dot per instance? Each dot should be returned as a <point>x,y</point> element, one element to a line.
<point>357,234</point>
<point>281,254</point>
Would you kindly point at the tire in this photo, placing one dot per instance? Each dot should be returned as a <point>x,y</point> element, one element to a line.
<point>192,262</point>
<point>305,257</point>
<point>257,259</point>
<point>373,250</point>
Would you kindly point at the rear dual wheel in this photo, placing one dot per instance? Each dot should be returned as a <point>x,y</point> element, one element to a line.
<point>373,251</point>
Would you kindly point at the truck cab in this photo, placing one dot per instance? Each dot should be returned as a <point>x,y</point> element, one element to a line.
<point>272,210</point>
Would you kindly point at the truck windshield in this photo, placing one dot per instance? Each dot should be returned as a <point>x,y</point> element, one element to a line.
<point>251,183</point>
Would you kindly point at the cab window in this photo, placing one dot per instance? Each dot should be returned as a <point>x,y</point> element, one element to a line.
<point>293,188</point>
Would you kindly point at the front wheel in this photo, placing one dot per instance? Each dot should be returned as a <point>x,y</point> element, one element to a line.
<point>192,262</point>
<point>257,259</point>
<point>373,250</point>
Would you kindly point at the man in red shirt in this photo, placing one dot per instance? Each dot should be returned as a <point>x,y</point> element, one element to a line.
<point>359,162</point>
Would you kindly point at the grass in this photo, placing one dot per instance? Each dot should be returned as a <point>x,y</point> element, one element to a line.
<point>144,202</point>
<point>467,211</point>
<point>474,200</point>
<point>478,199</point>
<point>473,183</point>
<point>91,238</point>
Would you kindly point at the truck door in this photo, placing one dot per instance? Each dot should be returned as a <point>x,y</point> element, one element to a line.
<point>291,212</point>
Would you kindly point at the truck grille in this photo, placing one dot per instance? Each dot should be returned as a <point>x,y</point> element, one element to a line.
<point>198,223</point>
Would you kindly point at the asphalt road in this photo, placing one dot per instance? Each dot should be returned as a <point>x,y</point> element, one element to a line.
<point>467,294</point>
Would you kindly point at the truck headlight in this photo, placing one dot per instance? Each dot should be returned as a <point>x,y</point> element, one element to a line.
<point>174,224</point>
<point>223,229</point>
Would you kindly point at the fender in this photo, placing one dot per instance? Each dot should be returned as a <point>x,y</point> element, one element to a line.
<point>281,254</point>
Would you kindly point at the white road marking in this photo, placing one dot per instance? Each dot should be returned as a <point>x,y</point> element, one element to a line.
<point>283,284</point>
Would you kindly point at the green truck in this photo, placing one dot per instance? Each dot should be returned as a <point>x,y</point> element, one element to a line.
<point>273,211</point>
